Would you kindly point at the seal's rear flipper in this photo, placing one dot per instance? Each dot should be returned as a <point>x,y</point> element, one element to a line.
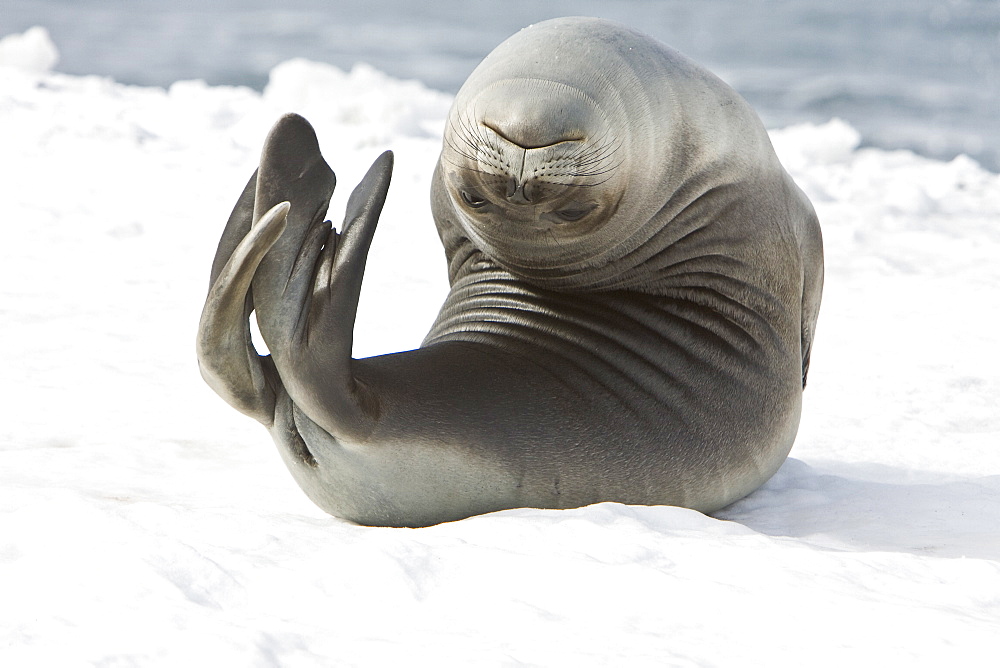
<point>226,356</point>
<point>236,228</point>
<point>319,309</point>
<point>347,264</point>
<point>292,170</point>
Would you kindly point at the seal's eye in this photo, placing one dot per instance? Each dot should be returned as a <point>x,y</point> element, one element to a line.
<point>473,200</point>
<point>573,215</point>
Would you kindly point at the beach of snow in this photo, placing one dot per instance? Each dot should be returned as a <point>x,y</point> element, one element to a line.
<point>143,522</point>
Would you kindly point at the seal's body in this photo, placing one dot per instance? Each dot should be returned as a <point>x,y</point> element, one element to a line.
<point>634,286</point>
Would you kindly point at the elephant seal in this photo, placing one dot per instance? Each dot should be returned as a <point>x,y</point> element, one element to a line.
<point>635,282</point>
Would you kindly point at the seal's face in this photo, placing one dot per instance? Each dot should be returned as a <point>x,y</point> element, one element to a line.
<point>532,168</point>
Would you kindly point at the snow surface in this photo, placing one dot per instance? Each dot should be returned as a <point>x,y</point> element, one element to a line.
<point>144,522</point>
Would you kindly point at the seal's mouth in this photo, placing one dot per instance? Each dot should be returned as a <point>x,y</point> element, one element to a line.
<point>526,143</point>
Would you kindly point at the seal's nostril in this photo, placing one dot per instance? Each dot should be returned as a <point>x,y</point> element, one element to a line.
<point>518,195</point>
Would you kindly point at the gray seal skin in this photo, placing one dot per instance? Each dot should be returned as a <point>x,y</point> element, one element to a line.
<point>635,282</point>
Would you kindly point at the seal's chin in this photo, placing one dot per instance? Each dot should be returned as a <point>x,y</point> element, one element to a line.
<point>537,113</point>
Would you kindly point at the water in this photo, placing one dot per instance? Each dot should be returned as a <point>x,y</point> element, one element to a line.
<point>917,74</point>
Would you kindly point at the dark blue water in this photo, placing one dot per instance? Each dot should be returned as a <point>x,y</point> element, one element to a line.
<point>919,74</point>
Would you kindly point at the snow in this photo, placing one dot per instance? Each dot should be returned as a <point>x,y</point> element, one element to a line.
<point>31,51</point>
<point>144,522</point>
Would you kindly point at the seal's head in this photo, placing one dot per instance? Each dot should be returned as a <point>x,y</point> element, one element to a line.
<point>532,162</point>
<point>579,150</point>
<point>549,150</point>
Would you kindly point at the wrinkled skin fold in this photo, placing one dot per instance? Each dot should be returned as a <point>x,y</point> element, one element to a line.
<point>660,364</point>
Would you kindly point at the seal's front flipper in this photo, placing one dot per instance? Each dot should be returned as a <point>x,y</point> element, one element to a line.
<point>226,356</point>
<point>292,170</point>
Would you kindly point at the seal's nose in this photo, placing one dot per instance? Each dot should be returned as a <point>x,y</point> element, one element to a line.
<point>518,193</point>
